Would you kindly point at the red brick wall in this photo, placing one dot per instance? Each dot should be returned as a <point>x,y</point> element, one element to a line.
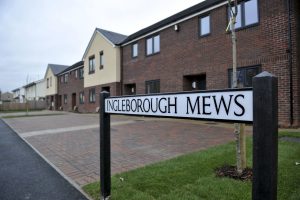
<point>92,107</point>
<point>74,85</point>
<point>49,103</point>
<point>296,59</point>
<point>184,53</point>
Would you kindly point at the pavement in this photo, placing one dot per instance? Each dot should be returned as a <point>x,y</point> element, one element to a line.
<point>26,175</point>
<point>31,113</point>
<point>71,141</point>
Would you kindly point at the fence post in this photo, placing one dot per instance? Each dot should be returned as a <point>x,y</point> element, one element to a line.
<point>265,137</point>
<point>105,171</point>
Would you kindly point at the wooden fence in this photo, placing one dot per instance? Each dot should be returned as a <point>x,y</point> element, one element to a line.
<point>32,105</point>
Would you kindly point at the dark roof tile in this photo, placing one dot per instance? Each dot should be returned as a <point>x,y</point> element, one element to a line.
<point>80,63</point>
<point>115,38</point>
<point>56,69</point>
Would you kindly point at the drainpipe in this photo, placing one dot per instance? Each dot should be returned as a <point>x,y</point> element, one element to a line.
<point>121,70</point>
<point>290,61</point>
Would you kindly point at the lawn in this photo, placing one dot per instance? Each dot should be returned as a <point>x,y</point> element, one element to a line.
<point>289,134</point>
<point>192,177</point>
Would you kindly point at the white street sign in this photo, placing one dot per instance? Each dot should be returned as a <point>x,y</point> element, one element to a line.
<point>228,105</point>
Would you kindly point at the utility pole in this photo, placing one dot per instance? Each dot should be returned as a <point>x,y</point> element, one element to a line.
<point>238,128</point>
<point>26,95</point>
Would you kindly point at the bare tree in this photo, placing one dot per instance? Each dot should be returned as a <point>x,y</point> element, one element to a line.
<point>238,128</point>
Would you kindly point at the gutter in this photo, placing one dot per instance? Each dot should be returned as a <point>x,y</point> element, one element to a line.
<point>121,71</point>
<point>70,70</point>
<point>290,62</point>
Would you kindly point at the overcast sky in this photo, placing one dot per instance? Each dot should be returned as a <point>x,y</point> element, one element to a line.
<point>34,33</point>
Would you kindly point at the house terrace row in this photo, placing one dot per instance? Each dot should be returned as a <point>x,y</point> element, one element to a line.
<point>192,51</point>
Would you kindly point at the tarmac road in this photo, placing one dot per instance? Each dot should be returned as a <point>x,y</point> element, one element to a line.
<point>25,175</point>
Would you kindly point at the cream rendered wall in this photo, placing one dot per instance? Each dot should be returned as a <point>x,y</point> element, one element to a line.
<point>52,89</point>
<point>22,95</point>
<point>19,93</point>
<point>40,89</point>
<point>111,71</point>
<point>30,93</point>
<point>16,93</point>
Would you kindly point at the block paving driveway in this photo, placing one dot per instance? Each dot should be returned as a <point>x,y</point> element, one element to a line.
<point>71,141</point>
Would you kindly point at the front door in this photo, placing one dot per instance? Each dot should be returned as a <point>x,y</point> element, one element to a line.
<point>73,100</point>
<point>59,102</point>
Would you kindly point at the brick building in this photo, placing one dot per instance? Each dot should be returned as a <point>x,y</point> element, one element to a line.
<point>102,63</point>
<point>70,88</point>
<point>192,51</point>
<point>51,90</point>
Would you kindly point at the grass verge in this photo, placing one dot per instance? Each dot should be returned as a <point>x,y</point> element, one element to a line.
<point>289,134</point>
<point>192,177</point>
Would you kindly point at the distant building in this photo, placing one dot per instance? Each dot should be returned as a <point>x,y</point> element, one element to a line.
<point>51,84</point>
<point>35,91</point>
<point>19,95</point>
<point>6,97</point>
<point>70,88</point>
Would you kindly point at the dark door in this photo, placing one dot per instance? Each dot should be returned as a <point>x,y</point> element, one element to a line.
<point>52,103</point>
<point>73,100</point>
<point>107,89</point>
<point>59,101</point>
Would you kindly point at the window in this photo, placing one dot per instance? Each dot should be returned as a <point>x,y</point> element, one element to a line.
<point>247,14</point>
<point>81,73</point>
<point>130,89</point>
<point>244,76</point>
<point>66,77</point>
<point>91,64</point>
<point>76,73</point>
<point>81,98</point>
<point>153,45</point>
<point>204,25</point>
<point>194,82</point>
<point>134,50</point>
<point>101,59</point>
<point>62,79</point>
<point>152,86</point>
<point>47,82</point>
<point>51,81</point>
<point>92,95</point>
<point>65,99</point>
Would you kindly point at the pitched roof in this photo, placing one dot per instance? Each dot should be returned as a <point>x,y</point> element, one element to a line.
<point>56,69</point>
<point>178,16</point>
<point>33,83</point>
<point>17,89</point>
<point>115,38</point>
<point>78,64</point>
<point>29,84</point>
